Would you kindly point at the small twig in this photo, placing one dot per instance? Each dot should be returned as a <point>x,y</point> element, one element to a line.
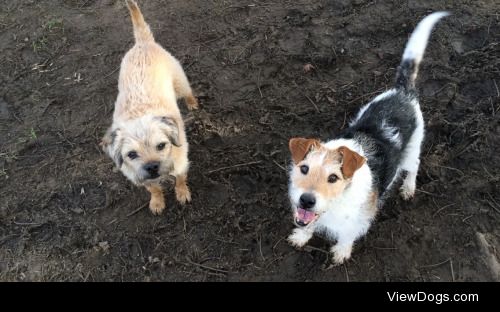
<point>260,248</point>
<point>314,104</point>
<point>452,273</point>
<point>428,193</point>
<point>111,73</point>
<point>467,218</point>
<point>235,166</point>
<point>494,201</point>
<point>498,92</point>
<point>345,118</point>
<point>25,223</point>
<point>441,89</point>
<point>492,205</point>
<point>346,273</point>
<point>272,261</point>
<point>365,95</point>
<point>82,5</point>
<point>435,265</point>
<point>308,248</point>
<point>212,40</point>
<point>73,155</point>
<point>235,60</point>
<point>239,6</point>
<point>435,213</point>
<point>450,168</point>
<point>137,210</point>
<point>258,84</point>
<point>345,86</point>
<point>493,110</point>
<point>278,242</point>
<point>385,248</point>
<point>46,107</point>
<point>207,267</point>
<point>279,165</point>
<point>486,170</point>
<point>465,148</point>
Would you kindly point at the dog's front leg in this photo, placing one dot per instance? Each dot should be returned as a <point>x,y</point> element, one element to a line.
<point>157,202</point>
<point>181,189</point>
<point>300,236</point>
<point>342,250</point>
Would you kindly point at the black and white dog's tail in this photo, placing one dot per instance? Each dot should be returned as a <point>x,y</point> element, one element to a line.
<point>414,51</point>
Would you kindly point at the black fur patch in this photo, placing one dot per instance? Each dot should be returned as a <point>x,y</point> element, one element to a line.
<point>404,75</point>
<point>118,158</point>
<point>113,136</point>
<point>395,111</point>
<point>120,161</point>
<point>172,135</point>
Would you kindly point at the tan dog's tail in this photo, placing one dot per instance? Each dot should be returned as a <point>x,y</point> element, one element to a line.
<point>142,32</point>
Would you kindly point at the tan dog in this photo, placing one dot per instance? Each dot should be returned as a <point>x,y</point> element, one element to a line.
<point>147,140</point>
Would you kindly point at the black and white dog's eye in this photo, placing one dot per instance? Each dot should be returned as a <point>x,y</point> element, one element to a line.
<point>304,169</point>
<point>332,178</point>
<point>132,155</point>
<point>160,146</point>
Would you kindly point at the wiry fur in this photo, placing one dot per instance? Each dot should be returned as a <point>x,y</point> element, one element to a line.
<point>146,116</point>
<point>387,132</point>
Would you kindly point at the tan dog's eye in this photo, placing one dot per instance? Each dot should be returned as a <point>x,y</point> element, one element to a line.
<point>132,155</point>
<point>332,178</point>
<point>160,146</point>
<point>304,169</point>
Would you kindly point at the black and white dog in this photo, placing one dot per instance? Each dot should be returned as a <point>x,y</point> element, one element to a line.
<point>336,187</point>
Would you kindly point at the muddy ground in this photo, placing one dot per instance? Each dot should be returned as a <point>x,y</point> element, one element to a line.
<point>65,215</point>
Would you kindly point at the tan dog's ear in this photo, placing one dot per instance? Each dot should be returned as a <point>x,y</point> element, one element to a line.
<point>111,146</point>
<point>351,161</point>
<point>173,130</point>
<point>109,137</point>
<point>299,147</point>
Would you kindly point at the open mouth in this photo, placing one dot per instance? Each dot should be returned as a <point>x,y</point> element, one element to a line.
<point>150,179</point>
<point>304,217</point>
<point>152,176</point>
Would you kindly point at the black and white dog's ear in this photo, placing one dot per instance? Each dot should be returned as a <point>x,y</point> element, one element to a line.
<point>111,144</point>
<point>171,129</point>
<point>351,161</point>
<point>299,147</point>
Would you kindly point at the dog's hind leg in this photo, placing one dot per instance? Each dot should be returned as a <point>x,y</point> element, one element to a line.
<point>157,202</point>
<point>183,88</point>
<point>407,190</point>
<point>411,159</point>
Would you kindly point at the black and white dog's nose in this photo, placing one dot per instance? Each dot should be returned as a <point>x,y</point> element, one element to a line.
<point>307,201</point>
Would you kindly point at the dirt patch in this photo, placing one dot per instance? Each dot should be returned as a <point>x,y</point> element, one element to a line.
<point>65,215</point>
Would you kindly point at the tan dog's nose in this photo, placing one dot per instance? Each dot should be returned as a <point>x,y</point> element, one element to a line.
<point>152,169</point>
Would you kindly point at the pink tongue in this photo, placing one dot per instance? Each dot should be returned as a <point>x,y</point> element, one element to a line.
<point>304,215</point>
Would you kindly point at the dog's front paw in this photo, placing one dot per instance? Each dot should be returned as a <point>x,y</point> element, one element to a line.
<point>183,195</point>
<point>299,238</point>
<point>407,192</point>
<point>157,205</point>
<point>341,253</point>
